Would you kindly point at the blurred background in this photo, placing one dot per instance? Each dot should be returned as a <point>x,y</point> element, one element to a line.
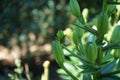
<point>27,28</point>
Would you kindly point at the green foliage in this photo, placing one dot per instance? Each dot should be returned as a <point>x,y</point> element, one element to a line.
<point>75,8</point>
<point>17,75</point>
<point>58,52</point>
<point>20,18</point>
<point>93,56</point>
<point>91,52</point>
<point>102,24</point>
<point>116,34</point>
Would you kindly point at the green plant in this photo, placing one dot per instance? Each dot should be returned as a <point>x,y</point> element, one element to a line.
<point>17,75</point>
<point>93,54</point>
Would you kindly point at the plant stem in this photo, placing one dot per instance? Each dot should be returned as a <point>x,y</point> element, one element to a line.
<point>111,73</point>
<point>97,75</point>
<point>100,54</point>
<point>20,76</point>
<point>68,72</point>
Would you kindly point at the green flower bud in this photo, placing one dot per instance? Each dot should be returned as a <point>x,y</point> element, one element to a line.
<point>115,34</point>
<point>58,52</point>
<point>91,52</point>
<point>79,30</point>
<point>77,34</point>
<point>77,41</point>
<point>111,10</point>
<point>91,38</point>
<point>75,8</point>
<point>117,53</point>
<point>60,35</point>
<point>75,38</point>
<point>102,24</point>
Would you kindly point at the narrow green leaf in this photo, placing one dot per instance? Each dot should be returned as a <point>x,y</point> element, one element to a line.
<point>109,67</point>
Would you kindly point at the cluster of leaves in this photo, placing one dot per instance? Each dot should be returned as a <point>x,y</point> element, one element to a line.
<point>94,50</point>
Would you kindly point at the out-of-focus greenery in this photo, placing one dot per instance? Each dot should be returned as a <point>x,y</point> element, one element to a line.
<point>23,16</point>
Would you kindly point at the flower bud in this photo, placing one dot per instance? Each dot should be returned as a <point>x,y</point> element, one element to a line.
<point>60,35</point>
<point>111,10</point>
<point>117,53</point>
<point>91,38</point>
<point>115,34</point>
<point>77,34</point>
<point>78,43</point>
<point>75,8</point>
<point>58,52</point>
<point>79,30</point>
<point>102,24</point>
<point>75,38</point>
<point>91,52</point>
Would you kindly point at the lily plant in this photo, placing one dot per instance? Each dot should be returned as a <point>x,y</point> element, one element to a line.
<point>98,55</point>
